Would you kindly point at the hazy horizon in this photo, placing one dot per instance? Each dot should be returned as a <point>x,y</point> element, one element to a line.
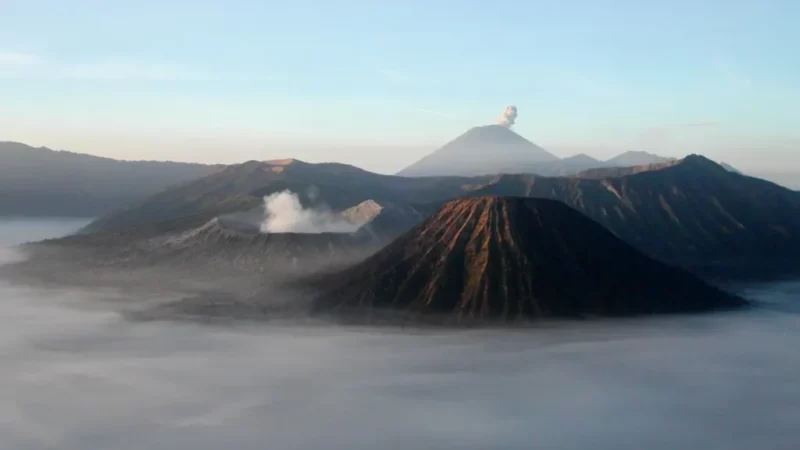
<point>380,86</point>
<point>783,176</point>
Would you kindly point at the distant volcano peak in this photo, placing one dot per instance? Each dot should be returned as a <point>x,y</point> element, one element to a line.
<point>481,150</point>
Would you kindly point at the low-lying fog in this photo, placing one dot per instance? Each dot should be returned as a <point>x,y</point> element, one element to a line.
<point>77,376</point>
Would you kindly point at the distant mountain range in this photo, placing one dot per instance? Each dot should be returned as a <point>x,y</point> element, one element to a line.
<point>495,149</point>
<point>457,159</point>
<point>44,182</point>
<point>628,236</point>
<point>635,158</point>
<point>690,212</point>
<point>581,163</point>
<point>557,168</point>
<point>242,187</point>
<point>512,258</point>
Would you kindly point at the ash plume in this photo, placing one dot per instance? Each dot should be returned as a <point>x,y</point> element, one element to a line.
<point>509,116</point>
<point>285,214</point>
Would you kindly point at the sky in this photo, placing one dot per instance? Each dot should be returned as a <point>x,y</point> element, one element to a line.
<point>380,84</point>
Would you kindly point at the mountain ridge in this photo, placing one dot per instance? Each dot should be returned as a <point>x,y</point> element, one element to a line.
<point>686,212</point>
<point>689,212</point>
<point>44,182</point>
<point>243,186</point>
<point>495,149</point>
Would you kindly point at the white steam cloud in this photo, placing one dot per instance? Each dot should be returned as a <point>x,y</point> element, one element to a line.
<point>509,116</point>
<point>285,214</point>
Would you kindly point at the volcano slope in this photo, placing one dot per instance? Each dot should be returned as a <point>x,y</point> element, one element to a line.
<point>218,244</point>
<point>242,187</point>
<point>217,249</point>
<point>692,213</point>
<point>483,150</point>
<point>514,257</point>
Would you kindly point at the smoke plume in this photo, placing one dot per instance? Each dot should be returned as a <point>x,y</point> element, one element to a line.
<point>285,214</point>
<point>509,116</point>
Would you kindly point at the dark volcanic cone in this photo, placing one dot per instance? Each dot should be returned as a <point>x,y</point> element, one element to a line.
<point>510,257</point>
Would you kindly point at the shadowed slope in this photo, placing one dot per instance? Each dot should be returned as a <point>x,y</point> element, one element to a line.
<point>516,257</point>
<point>242,187</point>
<point>217,249</point>
<point>44,182</point>
<point>221,242</point>
<point>690,212</point>
<point>382,222</point>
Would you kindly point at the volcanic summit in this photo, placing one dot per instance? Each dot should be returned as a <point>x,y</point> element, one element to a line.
<point>515,257</point>
<point>480,150</point>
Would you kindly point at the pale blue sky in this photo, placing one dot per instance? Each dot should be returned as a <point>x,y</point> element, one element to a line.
<point>379,85</point>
